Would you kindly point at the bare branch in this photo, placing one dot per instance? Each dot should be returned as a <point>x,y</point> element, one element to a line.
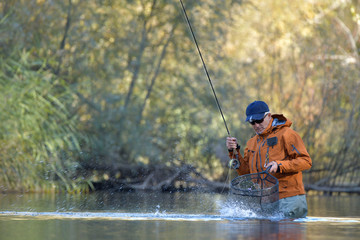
<point>350,38</point>
<point>62,43</point>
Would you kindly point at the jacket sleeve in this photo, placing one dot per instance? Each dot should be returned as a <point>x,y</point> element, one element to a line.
<point>244,161</point>
<point>298,159</point>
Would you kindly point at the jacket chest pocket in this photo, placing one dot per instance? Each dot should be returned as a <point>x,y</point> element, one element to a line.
<point>275,149</point>
<point>251,154</point>
<point>251,157</point>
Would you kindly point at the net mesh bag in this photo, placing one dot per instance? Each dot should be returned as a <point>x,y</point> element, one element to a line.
<point>257,190</point>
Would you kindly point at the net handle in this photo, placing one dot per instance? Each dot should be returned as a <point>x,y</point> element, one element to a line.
<point>266,170</point>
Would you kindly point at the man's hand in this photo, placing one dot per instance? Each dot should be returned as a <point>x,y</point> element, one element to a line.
<point>274,166</point>
<point>231,143</point>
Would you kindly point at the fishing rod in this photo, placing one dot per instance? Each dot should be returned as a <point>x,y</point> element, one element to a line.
<point>204,65</point>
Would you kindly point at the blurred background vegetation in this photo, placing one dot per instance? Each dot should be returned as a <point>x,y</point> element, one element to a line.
<point>106,94</point>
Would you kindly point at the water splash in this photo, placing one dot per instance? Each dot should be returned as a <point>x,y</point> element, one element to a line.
<point>234,209</point>
<point>158,212</point>
<point>239,209</point>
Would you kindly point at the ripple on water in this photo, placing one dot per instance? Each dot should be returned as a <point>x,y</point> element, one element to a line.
<point>161,216</point>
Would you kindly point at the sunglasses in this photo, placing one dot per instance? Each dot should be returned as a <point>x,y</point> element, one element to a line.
<point>256,121</point>
<point>259,121</point>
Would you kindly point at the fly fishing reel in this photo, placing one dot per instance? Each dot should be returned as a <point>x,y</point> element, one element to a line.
<point>234,163</point>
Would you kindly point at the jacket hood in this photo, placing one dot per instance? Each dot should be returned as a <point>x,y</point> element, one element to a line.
<point>277,121</point>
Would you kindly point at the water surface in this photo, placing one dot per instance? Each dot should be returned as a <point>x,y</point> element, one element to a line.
<point>167,216</point>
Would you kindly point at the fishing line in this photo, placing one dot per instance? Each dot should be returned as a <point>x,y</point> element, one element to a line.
<point>204,65</point>
<point>210,82</point>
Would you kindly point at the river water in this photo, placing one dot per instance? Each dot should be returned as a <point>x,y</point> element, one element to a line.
<point>105,215</point>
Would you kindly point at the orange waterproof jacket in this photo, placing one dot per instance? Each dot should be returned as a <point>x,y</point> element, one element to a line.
<point>277,143</point>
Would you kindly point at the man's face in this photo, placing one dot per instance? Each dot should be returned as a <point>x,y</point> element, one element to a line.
<point>260,127</point>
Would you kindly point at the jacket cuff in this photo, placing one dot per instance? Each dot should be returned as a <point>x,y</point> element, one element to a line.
<point>237,148</point>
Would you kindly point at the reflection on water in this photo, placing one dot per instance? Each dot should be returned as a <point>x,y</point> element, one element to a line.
<point>165,216</point>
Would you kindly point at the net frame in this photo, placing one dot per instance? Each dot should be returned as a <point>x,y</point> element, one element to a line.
<point>261,186</point>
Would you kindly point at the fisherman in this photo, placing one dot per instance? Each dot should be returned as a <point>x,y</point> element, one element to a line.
<point>277,146</point>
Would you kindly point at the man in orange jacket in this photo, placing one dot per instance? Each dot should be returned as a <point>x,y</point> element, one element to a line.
<point>277,146</point>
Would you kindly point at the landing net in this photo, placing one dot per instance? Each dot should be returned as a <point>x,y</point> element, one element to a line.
<point>256,190</point>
